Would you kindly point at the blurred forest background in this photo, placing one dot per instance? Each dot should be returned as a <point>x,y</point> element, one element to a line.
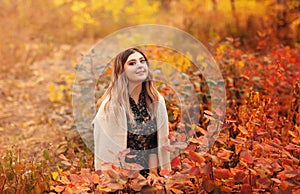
<point>255,42</point>
<point>31,30</point>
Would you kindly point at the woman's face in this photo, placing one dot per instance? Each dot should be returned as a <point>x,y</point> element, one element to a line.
<point>136,68</point>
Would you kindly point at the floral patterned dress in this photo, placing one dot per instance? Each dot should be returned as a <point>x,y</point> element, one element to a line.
<point>142,135</point>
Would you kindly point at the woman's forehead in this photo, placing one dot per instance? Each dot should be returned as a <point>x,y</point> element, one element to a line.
<point>135,56</point>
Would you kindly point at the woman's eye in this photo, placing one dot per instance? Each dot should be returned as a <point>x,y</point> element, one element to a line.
<point>131,63</point>
<point>143,61</point>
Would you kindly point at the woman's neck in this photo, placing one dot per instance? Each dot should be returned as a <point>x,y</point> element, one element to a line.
<point>134,91</point>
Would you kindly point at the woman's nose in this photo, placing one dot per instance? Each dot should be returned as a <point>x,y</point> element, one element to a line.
<point>140,64</point>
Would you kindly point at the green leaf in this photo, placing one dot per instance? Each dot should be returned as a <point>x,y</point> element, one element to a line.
<point>46,154</point>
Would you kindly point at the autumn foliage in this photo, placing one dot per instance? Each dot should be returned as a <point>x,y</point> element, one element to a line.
<point>256,151</point>
<point>258,147</point>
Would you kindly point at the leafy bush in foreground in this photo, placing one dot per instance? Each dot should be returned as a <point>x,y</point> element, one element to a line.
<point>257,151</point>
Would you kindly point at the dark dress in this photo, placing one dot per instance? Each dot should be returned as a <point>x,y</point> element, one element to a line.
<point>141,136</point>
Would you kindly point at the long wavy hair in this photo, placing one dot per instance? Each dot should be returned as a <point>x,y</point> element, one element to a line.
<point>117,92</point>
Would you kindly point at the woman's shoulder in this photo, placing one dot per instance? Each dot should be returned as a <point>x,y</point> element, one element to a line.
<point>160,97</point>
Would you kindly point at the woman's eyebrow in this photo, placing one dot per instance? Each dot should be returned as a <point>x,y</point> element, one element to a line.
<point>135,59</point>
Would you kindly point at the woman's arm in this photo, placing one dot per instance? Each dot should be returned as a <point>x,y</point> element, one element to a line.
<point>163,131</point>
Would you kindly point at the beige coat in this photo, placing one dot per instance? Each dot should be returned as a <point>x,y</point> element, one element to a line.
<point>110,135</point>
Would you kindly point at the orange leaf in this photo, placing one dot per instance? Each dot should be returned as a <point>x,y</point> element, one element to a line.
<point>64,180</point>
<point>95,178</point>
<point>59,189</point>
<point>75,178</point>
<point>196,157</point>
<point>243,130</point>
<point>68,190</point>
<point>222,173</point>
<point>176,191</point>
<point>63,157</point>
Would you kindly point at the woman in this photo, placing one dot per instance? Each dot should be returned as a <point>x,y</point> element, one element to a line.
<point>132,114</point>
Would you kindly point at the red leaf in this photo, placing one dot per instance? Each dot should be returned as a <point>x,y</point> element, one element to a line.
<point>246,189</point>
<point>191,147</point>
<point>222,173</point>
<point>196,157</point>
<point>194,171</point>
<point>75,178</point>
<point>277,141</point>
<point>98,172</point>
<point>175,162</point>
<point>164,172</point>
<point>224,154</point>
<point>292,147</point>
<point>239,176</point>
<point>171,137</point>
<point>207,169</point>
<point>264,182</point>
<point>276,167</point>
<point>246,156</point>
<point>208,185</point>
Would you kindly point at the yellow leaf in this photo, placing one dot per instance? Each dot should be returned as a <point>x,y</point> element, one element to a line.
<point>61,87</point>
<point>78,6</point>
<point>241,64</point>
<point>54,175</point>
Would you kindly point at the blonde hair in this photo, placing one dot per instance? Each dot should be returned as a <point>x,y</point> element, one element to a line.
<point>117,92</point>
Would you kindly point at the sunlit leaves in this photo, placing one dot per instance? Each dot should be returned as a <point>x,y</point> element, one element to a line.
<point>256,150</point>
<point>54,175</point>
<point>196,157</point>
<point>176,162</point>
<point>222,173</point>
<point>246,156</point>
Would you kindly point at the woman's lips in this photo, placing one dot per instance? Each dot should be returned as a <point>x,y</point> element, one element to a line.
<point>140,72</point>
